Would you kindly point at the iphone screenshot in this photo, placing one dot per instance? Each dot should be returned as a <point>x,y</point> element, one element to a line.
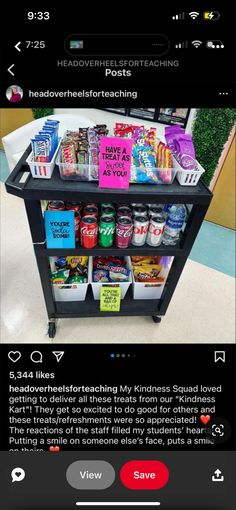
<point>117,181</point>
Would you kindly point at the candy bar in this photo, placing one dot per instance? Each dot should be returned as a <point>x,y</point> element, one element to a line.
<point>148,273</point>
<point>60,276</point>
<point>100,276</point>
<point>73,261</point>
<point>118,277</point>
<point>144,260</point>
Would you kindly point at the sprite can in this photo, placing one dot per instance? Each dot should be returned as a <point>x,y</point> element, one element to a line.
<point>106,204</point>
<point>106,231</point>
<point>108,210</point>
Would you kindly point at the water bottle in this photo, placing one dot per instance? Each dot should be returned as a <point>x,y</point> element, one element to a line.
<point>174,223</point>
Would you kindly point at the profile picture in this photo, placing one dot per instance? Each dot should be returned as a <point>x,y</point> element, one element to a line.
<point>14,93</point>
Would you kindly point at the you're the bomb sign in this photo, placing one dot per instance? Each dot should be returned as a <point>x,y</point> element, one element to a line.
<point>115,162</point>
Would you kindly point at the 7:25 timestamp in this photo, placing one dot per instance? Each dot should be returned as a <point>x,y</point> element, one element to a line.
<point>35,45</point>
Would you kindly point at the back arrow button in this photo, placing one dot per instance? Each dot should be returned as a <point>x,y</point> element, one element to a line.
<point>17,46</point>
<point>9,69</point>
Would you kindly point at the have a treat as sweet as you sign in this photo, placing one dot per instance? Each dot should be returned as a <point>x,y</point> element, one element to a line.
<point>115,162</point>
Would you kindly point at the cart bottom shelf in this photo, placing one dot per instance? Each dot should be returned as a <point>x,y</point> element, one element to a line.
<point>91,308</point>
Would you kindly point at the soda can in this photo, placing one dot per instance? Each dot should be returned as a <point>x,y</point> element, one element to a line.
<point>88,232</point>
<point>140,210</point>
<point>106,204</point>
<point>121,205</point>
<point>156,205</point>
<point>56,205</point>
<point>124,232</point>
<point>155,211</point>
<point>137,204</point>
<point>74,206</point>
<point>155,230</point>
<point>90,204</point>
<point>90,210</point>
<point>140,230</point>
<point>106,231</point>
<point>109,210</point>
<point>124,211</point>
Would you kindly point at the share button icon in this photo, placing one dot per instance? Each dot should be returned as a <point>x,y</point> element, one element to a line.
<point>58,355</point>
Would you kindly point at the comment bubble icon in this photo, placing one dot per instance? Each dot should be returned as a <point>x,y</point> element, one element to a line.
<point>17,474</point>
<point>36,357</point>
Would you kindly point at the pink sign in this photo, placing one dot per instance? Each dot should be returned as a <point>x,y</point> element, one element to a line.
<point>114,162</point>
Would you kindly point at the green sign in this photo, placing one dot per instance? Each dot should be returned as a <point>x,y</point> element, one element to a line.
<point>110,299</point>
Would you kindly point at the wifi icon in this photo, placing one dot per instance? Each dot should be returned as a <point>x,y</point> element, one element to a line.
<point>196,44</point>
<point>194,14</point>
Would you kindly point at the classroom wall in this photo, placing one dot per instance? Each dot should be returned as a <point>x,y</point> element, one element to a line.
<point>13,118</point>
<point>222,208</point>
<point>109,118</point>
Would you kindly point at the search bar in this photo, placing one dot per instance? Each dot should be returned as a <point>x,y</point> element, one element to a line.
<point>117,44</point>
<point>112,503</point>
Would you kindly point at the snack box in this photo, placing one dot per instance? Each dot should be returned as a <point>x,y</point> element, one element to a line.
<point>42,170</point>
<point>77,171</point>
<point>139,175</point>
<point>96,286</point>
<point>71,292</point>
<point>142,290</point>
<point>189,177</point>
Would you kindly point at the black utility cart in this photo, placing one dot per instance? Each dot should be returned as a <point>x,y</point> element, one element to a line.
<point>21,184</point>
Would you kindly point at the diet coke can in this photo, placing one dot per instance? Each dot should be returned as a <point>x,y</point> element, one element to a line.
<point>155,210</point>
<point>124,231</point>
<point>155,230</point>
<point>156,205</point>
<point>141,224</point>
<point>90,210</point>
<point>140,210</point>
<point>89,232</point>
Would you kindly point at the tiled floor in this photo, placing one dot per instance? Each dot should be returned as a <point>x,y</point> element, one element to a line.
<point>4,170</point>
<point>215,248</point>
<point>202,308</point>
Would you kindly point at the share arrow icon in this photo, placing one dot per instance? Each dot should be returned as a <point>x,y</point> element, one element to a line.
<point>58,355</point>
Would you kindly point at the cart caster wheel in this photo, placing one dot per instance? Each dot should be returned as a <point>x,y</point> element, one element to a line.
<point>51,329</point>
<point>156,319</point>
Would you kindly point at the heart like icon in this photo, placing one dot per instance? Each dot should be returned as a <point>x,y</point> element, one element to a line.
<point>14,356</point>
<point>54,448</point>
<point>205,418</point>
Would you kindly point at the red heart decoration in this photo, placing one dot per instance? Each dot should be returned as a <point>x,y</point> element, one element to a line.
<point>54,448</point>
<point>205,418</point>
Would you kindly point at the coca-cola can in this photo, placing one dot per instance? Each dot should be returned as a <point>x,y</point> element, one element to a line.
<point>155,230</point>
<point>56,205</point>
<point>141,224</point>
<point>76,207</point>
<point>124,231</point>
<point>155,210</point>
<point>88,232</point>
<point>140,210</point>
<point>90,210</point>
<point>124,211</point>
<point>91,204</point>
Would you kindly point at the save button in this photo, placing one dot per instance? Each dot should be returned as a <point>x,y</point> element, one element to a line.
<point>144,475</point>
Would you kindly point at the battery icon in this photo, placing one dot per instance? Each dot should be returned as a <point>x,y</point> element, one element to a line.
<point>211,15</point>
<point>215,45</point>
